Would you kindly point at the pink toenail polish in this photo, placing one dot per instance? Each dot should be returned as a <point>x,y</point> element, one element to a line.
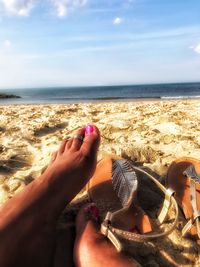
<point>93,212</point>
<point>89,129</point>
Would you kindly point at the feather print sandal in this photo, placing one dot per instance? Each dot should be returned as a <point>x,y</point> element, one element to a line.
<point>114,186</point>
<point>184,178</point>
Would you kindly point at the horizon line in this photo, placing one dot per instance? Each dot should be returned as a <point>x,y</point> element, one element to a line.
<point>98,85</point>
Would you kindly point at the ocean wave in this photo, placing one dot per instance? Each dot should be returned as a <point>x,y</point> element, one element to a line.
<point>180,97</point>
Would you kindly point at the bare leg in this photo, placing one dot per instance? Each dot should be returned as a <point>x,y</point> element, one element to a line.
<point>27,221</point>
<point>92,248</point>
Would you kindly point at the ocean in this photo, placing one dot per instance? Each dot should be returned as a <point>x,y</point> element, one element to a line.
<point>102,93</point>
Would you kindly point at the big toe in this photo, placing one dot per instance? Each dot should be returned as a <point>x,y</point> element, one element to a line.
<point>87,222</point>
<point>91,140</point>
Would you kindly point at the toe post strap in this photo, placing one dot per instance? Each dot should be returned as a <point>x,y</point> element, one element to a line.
<point>105,230</point>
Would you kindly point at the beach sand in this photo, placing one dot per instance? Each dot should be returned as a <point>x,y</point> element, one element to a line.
<point>151,133</point>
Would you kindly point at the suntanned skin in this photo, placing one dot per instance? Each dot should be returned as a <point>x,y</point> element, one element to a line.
<point>92,249</point>
<point>28,220</point>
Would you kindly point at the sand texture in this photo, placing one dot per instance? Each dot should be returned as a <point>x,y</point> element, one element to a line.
<point>150,133</point>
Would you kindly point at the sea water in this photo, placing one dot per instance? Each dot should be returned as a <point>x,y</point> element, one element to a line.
<point>102,93</point>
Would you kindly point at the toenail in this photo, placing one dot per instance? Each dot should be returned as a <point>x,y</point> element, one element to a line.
<point>89,129</point>
<point>92,211</point>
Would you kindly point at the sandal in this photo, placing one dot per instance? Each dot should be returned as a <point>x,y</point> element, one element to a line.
<point>114,185</point>
<point>184,178</point>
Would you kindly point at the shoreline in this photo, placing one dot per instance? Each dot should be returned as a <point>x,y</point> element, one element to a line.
<point>11,101</point>
<point>103,93</point>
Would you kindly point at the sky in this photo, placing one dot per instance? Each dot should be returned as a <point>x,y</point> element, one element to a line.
<point>98,42</point>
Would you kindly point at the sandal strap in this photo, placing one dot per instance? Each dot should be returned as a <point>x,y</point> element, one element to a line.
<point>111,232</point>
<point>190,172</point>
<point>193,197</point>
<point>166,205</point>
<point>189,225</point>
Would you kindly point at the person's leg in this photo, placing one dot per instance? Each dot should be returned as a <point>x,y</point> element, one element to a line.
<point>92,249</point>
<point>27,221</point>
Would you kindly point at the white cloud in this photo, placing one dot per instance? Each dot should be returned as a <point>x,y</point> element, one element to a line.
<point>117,21</point>
<point>197,49</point>
<point>61,9</point>
<point>18,7</point>
<point>24,7</point>
<point>63,6</point>
<point>7,43</point>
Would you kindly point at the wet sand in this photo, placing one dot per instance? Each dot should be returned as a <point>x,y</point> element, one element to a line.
<point>151,133</point>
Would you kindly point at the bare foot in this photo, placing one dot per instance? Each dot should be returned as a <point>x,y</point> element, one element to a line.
<point>28,220</point>
<point>91,247</point>
<point>71,167</point>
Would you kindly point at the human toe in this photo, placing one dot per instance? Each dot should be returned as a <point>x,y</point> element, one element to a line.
<point>77,139</point>
<point>88,216</point>
<point>91,140</point>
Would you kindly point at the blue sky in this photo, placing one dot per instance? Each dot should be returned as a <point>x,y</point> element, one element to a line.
<point>90,42</point>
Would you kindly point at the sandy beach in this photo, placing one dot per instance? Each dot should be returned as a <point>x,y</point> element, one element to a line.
<point>152,133</point>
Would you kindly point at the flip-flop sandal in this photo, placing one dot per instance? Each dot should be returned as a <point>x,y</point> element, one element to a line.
<point>183,177</point>
<point>114,186</point>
